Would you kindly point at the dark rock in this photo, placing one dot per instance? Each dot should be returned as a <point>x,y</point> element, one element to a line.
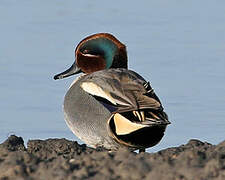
<point>64,159</point>
<point>52,148</point>
<point>14,143</point>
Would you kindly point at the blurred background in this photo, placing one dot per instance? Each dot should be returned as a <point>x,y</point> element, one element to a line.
<point>179,46</point>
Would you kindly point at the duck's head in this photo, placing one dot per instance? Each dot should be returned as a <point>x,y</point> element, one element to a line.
<point>97,52</point>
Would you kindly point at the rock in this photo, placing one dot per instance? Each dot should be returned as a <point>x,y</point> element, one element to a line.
<point>14,143</point>
<point>50,148</point>
<point>64,159</point>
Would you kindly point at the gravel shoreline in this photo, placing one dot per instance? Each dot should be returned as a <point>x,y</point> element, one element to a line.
<point>63,159</point>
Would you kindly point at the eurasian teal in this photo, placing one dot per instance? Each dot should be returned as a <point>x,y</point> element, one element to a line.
<point>110,106</point>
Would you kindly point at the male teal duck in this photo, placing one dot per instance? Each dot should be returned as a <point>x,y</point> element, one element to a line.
<point>110,106</point>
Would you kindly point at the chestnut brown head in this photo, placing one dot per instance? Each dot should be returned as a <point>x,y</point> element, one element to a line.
<point>97,52</point>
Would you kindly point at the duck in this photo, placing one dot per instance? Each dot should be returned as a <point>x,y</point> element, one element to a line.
<point>109,106</point>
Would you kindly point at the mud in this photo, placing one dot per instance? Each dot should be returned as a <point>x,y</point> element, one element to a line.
<point>63,159</point>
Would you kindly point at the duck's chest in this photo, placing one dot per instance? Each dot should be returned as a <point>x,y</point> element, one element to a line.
<point>81,105</point>
<point>83,110</point>
<point>86,117</point>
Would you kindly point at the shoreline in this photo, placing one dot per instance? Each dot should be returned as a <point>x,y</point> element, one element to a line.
<point>65,159</point>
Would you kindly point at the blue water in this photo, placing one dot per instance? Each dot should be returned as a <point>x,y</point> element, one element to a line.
<point>178,46</point>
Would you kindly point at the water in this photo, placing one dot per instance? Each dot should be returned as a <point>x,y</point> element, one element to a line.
<point>178,46</point>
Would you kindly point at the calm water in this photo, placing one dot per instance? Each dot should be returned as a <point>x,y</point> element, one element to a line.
<point>178,46</point>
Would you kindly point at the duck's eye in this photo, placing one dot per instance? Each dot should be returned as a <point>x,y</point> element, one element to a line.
<point>85,51</point>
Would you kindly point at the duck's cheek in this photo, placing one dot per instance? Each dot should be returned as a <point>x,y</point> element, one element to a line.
<point>89,64</point>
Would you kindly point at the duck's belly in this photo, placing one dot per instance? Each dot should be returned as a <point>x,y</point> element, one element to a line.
<point>87,118</point>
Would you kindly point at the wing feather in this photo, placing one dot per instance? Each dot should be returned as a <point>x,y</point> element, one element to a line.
<point>124,89</point>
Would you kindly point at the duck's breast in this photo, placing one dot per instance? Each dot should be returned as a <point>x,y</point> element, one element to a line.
<point>85,116</point>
